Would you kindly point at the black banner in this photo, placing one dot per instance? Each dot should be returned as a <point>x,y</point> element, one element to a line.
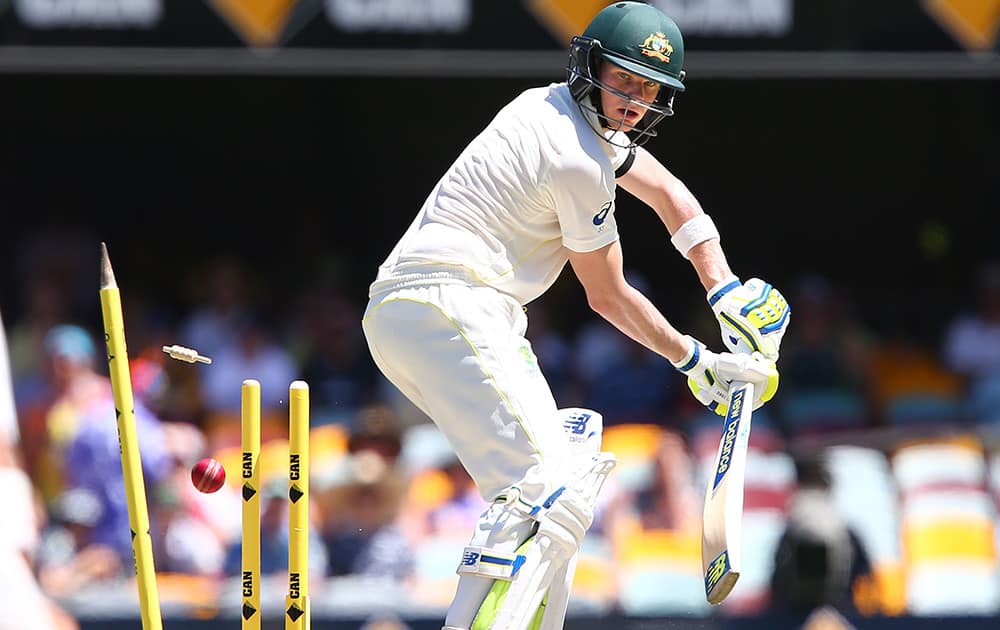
<point>495,25</point>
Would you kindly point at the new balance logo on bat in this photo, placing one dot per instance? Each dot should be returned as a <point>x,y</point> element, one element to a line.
<point>718,568</point>
<point>732,428</point>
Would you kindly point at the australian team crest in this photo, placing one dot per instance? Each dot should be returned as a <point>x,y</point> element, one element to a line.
<point>658,46</point>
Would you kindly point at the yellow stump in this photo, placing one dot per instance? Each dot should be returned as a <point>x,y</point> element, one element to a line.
<point>250,474</point>
<point>297,612</point>
<point>135,490</point>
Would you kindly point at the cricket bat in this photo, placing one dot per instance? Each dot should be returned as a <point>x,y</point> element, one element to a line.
<point>723,517</point>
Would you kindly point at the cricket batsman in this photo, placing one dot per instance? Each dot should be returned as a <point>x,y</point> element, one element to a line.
<point>446,318</point>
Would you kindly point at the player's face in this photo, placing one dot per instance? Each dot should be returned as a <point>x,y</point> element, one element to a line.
<point>625,113</point>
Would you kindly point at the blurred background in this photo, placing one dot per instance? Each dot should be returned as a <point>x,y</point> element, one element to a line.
<point>249,163</point>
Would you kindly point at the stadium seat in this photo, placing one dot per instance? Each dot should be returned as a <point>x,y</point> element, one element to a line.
<point>948,528</point>
<point>957,463</point>
<point>953,589</point>
<point>662,591</point>
<point>769,480</point>
<point>865,493</point>
<point>595,583</point>
<point>821,412</point>
<point>661,574</point>
<point>901,370</point>
<point>762,528</point>
<point>434,578</point>
<point>928,408</point>
<point>983,406</point>
<point>635,447</point>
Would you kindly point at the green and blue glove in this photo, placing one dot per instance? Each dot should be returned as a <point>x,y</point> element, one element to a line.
<point>753,316</point>
<point>710,374</point>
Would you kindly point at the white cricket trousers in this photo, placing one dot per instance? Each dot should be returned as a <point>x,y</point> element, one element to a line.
<point>458,352</point>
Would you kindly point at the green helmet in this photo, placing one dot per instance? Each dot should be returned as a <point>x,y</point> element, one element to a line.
<point>639,38</point>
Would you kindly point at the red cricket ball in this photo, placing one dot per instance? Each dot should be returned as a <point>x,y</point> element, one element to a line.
<point>208,475</point>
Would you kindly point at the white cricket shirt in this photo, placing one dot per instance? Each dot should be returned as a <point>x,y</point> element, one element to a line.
<point>536,181</point>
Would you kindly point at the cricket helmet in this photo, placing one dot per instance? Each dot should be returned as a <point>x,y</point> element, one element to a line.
<point>639,38</point>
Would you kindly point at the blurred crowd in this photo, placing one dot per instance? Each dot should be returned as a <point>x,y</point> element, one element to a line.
<point>872,474</point>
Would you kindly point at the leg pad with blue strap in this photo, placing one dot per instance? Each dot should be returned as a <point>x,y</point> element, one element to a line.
<point>563,519</point>
<point>505,546</point>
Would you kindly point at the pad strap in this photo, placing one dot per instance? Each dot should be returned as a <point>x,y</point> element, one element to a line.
<point>491,563</point>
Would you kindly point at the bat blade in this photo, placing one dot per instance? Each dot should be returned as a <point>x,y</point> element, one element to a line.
<point>723,516</point>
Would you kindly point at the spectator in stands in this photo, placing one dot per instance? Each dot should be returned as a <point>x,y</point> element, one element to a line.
<point>830,347</point>
<point>819,557</point>
<point>71,559</point>
<point>972,346</point>
<point>554,353</point>
<point>71,386</point>
<point>361,511</point>
<point>828,354</point>
<point>44,307</point>
<point>460,511</point>
<point>667,500</point>
<point>254,353</point>
<point>376,429</point>
<point>360,515</point>
<point>341,375</point>
<point>625,382</point>
<point>636,387</point>
<point>54,265</point>
<point>595,345</point>
<point>78,434</point>
<point>222,301</point>
<point>192,530</point>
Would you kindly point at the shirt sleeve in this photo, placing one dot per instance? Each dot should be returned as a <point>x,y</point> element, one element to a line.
<point>585,209</point>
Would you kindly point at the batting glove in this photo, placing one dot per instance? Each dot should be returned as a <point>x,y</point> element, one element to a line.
<point>710,374</point>
<point>752,316</point>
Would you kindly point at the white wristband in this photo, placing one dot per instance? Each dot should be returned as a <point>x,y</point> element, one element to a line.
<point>695,230</point>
